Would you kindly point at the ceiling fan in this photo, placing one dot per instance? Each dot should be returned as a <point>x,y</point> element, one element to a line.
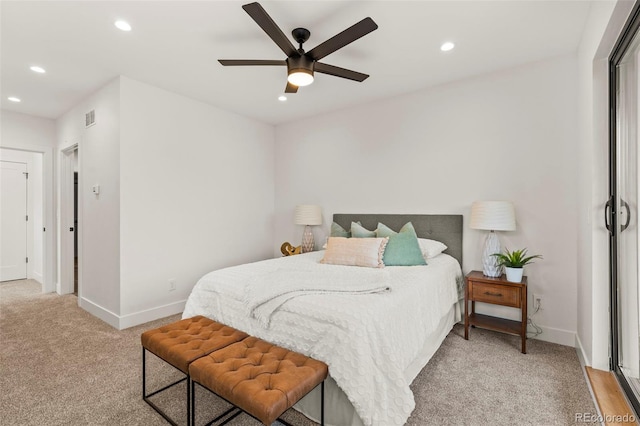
<point>300,64</point>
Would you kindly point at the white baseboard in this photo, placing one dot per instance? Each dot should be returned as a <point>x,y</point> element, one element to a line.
<point>582,355</point>
<point>38,277</point>
<point>98,311</point>
<point>556,335</point>
<point>137,318</point>
<point>130,320</point>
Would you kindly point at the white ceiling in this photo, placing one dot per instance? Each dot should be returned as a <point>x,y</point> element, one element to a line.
<point>175,45</point>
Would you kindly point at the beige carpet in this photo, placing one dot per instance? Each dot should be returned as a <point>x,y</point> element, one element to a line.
<point>61,366</point>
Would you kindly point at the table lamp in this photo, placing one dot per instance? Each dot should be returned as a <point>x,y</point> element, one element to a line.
<point>492,216</point>
<point>307,215</point>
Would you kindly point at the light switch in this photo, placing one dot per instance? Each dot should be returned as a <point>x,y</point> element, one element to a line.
<point>96,189</point>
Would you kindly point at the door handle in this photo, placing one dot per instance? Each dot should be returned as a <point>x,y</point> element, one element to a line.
<point>71,229</point>
<point>626,224</point>
<point>608,206</point>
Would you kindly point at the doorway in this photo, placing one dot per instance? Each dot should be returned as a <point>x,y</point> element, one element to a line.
<point>24,217</point>
<point>13,220</point>
<point>621,210</point>
<point>70,223</point>
<point>40,228</point>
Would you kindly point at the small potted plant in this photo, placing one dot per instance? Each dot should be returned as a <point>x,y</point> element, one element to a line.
<point>514,262</point>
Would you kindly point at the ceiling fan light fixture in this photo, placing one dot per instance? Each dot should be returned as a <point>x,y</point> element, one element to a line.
<point>301,65</point>
<point>300,70</point>
<point>300,77</point>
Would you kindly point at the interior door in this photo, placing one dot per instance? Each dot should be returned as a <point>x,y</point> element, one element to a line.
<point>13,221</point>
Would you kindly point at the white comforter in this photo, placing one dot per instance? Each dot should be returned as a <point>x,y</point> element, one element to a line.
<point>368,340</point>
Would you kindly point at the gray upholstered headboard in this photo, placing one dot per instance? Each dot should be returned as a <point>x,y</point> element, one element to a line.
<point>444,228</point>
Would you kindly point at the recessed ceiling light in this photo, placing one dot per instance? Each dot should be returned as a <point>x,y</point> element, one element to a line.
<point>123,25</point>
<point>282,98</point>
<point>13,99</point>
<point>37,69</point>
<point>447,46</point>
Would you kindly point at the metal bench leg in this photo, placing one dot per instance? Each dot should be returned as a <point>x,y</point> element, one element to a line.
<point>192,388</point>
<point>189,400</point>
<point>322,403</point>
<point>145,396</point>
<point>144,373</point>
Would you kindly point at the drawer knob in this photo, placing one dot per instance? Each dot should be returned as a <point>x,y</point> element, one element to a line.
<point>488,293</point>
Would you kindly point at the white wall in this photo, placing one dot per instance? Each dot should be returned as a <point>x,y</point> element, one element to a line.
<point>185,188</point>
<point>605,21</point>
<point>35,211</point>
<point>507,135</point>
<point>99,216</point>
<point>22,131</point>
<point>35,138</point>
<point>197,187</point>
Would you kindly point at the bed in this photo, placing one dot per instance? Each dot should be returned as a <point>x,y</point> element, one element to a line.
<point>375,344</point>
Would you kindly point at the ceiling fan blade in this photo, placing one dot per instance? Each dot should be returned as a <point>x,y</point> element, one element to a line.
<point>340,40</point>
<point>339,72</point>
<point>240,62</point>
<point>265,22</point>
<point>291,88</point>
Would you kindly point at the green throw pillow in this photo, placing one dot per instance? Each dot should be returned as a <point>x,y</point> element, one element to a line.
<point>384,231</point>
<point>339,231</point>
<point>359,231</point>
<point>403,248</point>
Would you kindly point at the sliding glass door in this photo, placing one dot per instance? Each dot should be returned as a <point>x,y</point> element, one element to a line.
<point>622,208</point>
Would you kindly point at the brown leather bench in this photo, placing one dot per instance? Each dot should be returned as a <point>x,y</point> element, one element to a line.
<point>257,377</point>
<point>181,343</point>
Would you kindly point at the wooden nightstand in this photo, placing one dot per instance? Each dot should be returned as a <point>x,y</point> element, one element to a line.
<point>497,291</point>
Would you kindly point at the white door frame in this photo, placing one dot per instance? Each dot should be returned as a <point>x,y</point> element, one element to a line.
<point>66,222</point>
<point>48,249</point>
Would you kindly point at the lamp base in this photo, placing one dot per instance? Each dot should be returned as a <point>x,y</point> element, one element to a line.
<point>307,240</point>
<point>490,267</point>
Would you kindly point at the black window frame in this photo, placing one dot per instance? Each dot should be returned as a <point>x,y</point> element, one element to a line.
<point>629,31</point>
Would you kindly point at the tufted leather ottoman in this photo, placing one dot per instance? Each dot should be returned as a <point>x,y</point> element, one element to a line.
<point>179,344</point>
<point>258,377</point>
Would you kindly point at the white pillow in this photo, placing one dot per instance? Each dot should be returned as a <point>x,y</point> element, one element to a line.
<point>366,252</point>
<point>430,248</point>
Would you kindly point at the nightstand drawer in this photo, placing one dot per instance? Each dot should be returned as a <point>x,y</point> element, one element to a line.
<point>496,294</point>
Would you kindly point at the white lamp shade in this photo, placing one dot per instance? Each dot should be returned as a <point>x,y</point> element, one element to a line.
<point>308,214</point>
<point>493,216</point>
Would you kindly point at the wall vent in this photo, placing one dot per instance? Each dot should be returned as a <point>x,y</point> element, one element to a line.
<point>90,118</point>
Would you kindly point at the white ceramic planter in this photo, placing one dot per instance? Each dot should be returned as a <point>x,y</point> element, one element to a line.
<point>514,275</point>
